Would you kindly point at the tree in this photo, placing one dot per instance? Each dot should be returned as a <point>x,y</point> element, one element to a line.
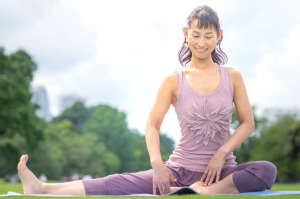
<point>77,114</point>
<point>243,152</point>
<point>17,117</point>
<point>66,151</point>
<point>280,143</point>
<point>111,128</point>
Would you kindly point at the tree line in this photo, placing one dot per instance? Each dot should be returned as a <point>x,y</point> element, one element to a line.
<point>97,141</point>
<point>87,140</point>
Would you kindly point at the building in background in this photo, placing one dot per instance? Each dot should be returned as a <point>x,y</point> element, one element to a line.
<point>40,97</point>
<point>66,101</point>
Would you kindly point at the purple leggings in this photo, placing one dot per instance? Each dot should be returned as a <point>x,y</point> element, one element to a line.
<point>247,177</point>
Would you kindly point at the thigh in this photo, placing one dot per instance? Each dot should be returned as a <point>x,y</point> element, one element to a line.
<point>121,184</point>
<point>183,176</point>
<point>256,168</point>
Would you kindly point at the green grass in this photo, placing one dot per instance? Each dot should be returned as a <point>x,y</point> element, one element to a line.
<point>17,187</point>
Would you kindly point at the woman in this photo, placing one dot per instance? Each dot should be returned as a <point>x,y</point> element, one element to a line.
<point>203,95</point>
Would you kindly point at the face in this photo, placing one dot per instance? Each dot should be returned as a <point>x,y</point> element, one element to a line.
<point>202,41</point>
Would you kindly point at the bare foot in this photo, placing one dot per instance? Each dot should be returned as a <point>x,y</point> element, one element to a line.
<point>199,187</point>
<point>30,183</point>
<point>174,188</point>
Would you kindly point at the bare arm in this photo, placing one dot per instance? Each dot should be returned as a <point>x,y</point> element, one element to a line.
<point>165,97</point>
<point>245,116</point>
<point>244,112</point>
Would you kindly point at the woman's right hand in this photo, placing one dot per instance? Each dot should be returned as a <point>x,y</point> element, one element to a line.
<point>161,179</point>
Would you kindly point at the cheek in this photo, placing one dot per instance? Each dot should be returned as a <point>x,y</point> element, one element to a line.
<point>192,40</point>
<point>213,42</point>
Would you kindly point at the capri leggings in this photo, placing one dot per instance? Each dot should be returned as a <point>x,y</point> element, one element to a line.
<point>247,177</point>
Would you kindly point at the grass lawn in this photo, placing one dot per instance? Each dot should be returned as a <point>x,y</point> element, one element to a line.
<point>17,187</point>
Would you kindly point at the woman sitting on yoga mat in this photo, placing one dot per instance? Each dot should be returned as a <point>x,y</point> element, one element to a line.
<point>203,94</point>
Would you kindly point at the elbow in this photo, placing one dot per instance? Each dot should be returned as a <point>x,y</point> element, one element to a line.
<point>251,126</point>
<point>151,128</point>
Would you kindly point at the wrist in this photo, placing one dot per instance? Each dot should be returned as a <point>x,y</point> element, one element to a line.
<point>156,162</point>
<point>224,151</point>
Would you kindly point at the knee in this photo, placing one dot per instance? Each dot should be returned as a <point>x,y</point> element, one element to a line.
<point>267,172</point>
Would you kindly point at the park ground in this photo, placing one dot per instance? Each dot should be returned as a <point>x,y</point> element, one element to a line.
<point>17,187</point>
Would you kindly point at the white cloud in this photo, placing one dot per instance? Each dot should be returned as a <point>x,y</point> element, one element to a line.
<point>276,83</point>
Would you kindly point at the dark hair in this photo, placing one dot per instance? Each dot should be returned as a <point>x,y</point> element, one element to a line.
<point>206,17</point>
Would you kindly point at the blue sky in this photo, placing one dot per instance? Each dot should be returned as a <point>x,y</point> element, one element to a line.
<point>118,52</point>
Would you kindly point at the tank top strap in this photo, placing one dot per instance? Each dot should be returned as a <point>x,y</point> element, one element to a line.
<point>179,83</point>
<point>226,79</point>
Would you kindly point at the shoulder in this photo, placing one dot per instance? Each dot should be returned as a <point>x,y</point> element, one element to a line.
<point>169,83</point>
<point>171,78</point>
<point>235,75</point>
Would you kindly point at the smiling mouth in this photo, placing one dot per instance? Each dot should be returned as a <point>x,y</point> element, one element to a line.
<point>201,50</point>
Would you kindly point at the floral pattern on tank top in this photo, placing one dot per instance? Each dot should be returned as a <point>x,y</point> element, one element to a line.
<point>206,120</point>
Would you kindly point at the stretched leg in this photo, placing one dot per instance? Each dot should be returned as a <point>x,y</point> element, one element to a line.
<point>31,185</point>
<point>120,184</point>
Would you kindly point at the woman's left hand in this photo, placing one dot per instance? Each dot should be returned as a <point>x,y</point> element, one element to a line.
<point>214,168</point>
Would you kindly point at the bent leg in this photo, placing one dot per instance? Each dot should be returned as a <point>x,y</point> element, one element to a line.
<point>225,186</point>
<point>252,176</point>
<point>257,176</point>
<point>246,177</point>
<point>31,185</point>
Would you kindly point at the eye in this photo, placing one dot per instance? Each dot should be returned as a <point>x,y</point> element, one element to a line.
<point>196,36</point>
<point>208,37</point>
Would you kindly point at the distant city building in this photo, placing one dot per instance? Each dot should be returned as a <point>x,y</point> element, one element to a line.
<point>66,101</point>
<point>40,97</point>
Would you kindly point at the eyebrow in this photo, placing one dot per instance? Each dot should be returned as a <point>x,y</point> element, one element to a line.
<point>194,31</point>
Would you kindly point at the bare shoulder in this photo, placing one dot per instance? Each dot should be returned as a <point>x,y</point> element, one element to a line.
<point>172,76</point>
<point>235,75</point>
<point>169,86</point>
<point>171,79</point>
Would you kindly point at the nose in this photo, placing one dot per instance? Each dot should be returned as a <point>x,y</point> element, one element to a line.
<point>201,42</point>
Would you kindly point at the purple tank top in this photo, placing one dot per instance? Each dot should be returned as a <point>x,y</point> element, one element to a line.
<point>204,119</point>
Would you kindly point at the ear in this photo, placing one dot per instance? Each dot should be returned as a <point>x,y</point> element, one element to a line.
<point>220,35</point>
<point>185,32</point>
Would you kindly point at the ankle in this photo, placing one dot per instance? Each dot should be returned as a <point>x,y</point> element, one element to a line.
<point>42,187</point>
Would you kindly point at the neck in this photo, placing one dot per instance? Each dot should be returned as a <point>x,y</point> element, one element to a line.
<point>201,64</point>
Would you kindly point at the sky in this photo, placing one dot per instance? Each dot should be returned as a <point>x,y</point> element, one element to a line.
<point>117,52</point>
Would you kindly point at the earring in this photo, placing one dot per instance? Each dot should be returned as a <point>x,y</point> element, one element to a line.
<point>217,46</point>
<point>186,44</point>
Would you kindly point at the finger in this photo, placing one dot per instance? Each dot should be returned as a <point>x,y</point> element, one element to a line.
<point>161,190</point>
<point>154,188</point>
<point>218,176</point>
<point>167,190</point>
<point>203,176</point>
<point>172,178</point>
<point>212,178</point>
<point>207,178</point>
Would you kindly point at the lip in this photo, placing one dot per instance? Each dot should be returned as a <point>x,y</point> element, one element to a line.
<point>201,50</point>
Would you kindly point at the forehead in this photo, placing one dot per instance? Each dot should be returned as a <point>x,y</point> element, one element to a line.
<point>195,26</point>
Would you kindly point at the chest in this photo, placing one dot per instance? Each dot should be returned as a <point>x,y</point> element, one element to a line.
<point>203,82</point>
